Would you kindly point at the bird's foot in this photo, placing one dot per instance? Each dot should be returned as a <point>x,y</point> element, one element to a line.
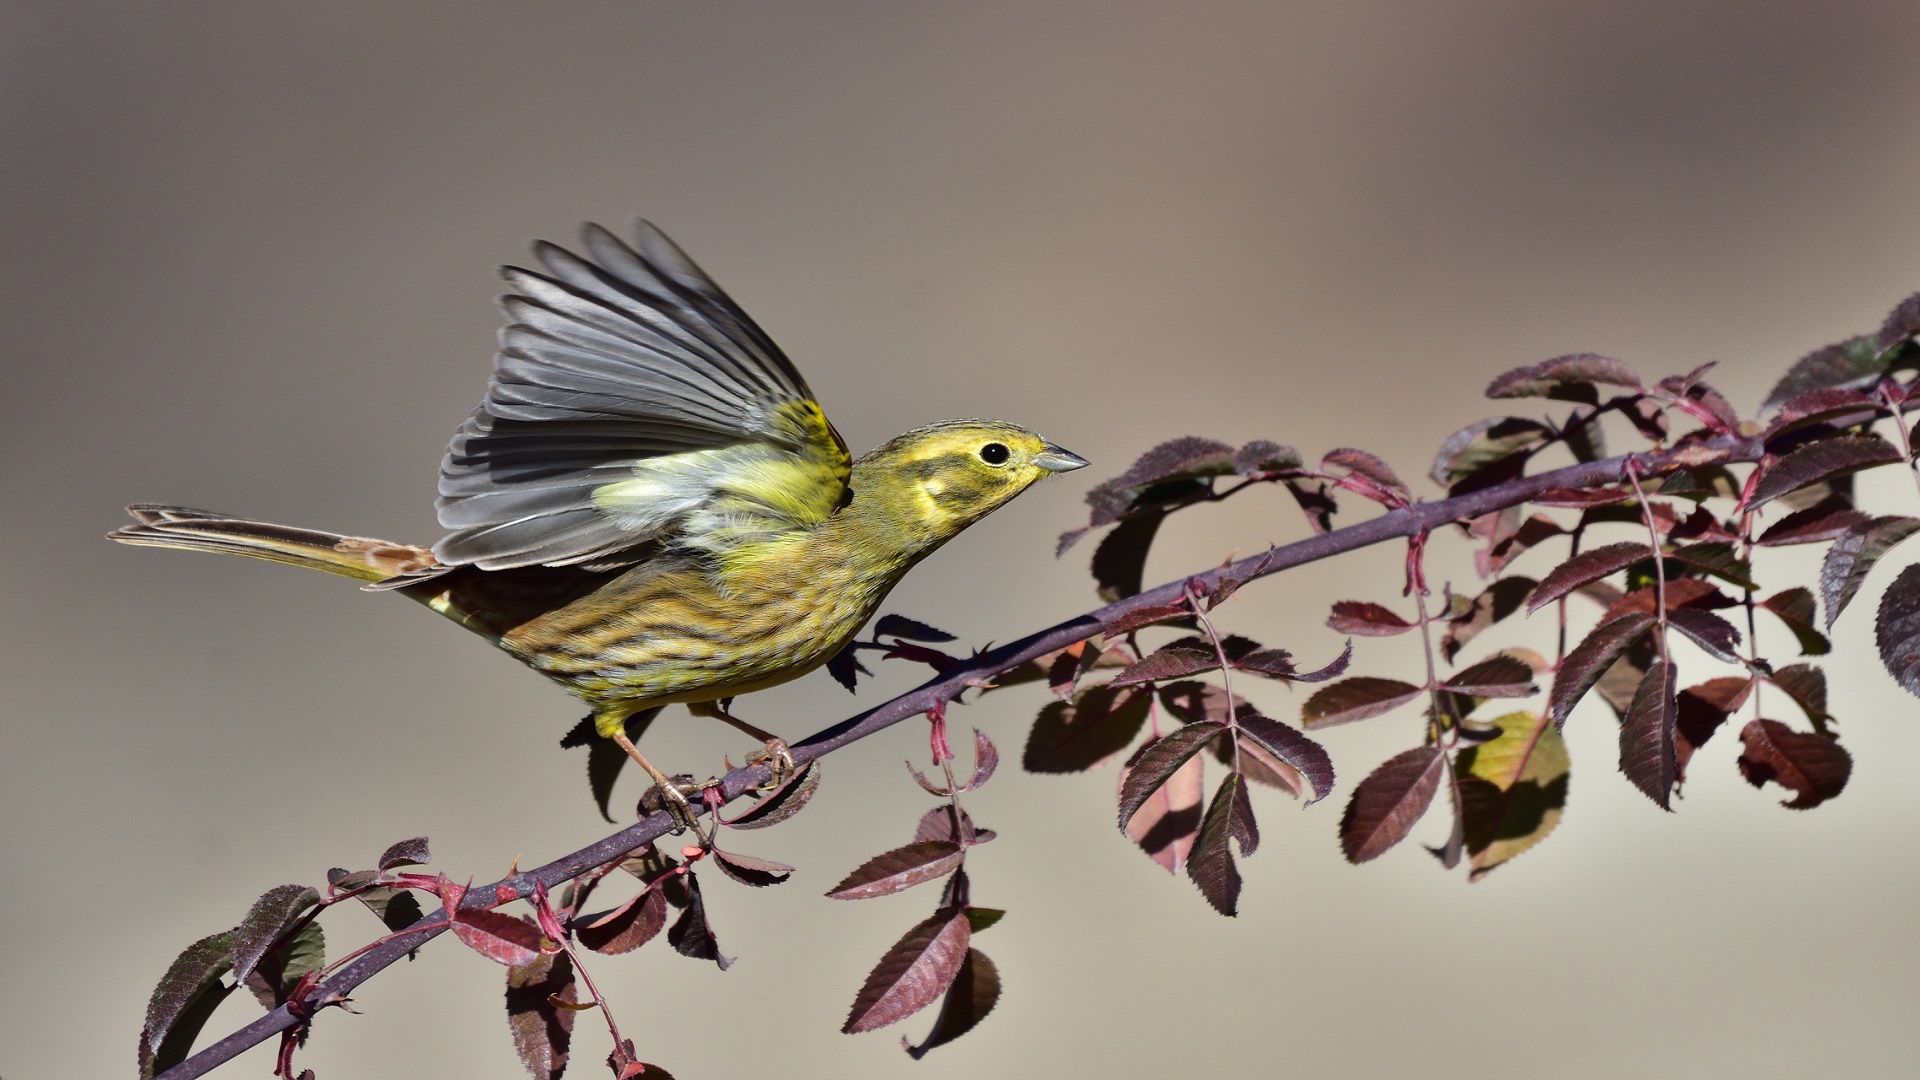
<point>673,797</point>
<point>779,761</point>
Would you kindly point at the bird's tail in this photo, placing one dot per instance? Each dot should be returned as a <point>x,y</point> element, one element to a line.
<point>200,530</point>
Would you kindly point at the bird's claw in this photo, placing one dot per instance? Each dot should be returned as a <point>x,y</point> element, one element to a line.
<point>779,762</point>
<point>672,797</point>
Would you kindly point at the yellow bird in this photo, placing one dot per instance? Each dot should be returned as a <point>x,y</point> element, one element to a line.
<point>649,507</point>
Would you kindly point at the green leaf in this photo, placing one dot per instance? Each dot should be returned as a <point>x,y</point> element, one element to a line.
<point>1469,451</point>
<point>1513,789</point>
<point>276,910</point>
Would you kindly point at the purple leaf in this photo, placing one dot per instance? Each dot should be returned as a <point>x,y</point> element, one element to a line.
<point>1120,561</point>
<point>1821,460</point>
<point>1293,748</point>
<point>1718,560</point>
<point>1367,465</point>
<point>1334,669</point>
<point>690,934</point>
<point>1211,864</point>
<point>500,938</point>
<point>748,870</point>
<point>1588,660</point>
<point>901,868</point>
<point>276,910</point>
<point>1158,762</point>
<point>1366,619</point>
<point>1646,736</point>
<point>1854,554</point>
<point>1699,711</point>
<point>1897,629</point>
<point>937,824</point>
<point>1168,822</point>
<point>972,996</point>
<point>1796,609</point>
<point>912,629</point>
<point>845,667</point>
<point>1813,767</point>
<point>405,853</point>
<point>542,1030</point>
<point>1071,738</point>
<point>1168,662</point>
<point>1566,378</point>
<point>913,973</point>
<point>1825,520</point>
<point>1146,616</point>
<point>1902,322</point>
<point>782,802</point>
<point>183,1002</point>
<point>1715,635</point>
<point>1389,801</point>
<point>627,927</point>
<point>1246,831</point>
<point>986,758</point>
<point>1499,676</point>
<point>1585,567</point>
<point>1358,698</point>
<point>1825,405</point>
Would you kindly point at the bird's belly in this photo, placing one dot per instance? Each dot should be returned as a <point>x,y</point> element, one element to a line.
<point>692,644</point>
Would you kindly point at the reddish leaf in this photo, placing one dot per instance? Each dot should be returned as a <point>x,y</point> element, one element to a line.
<point>1168,822</point>
<point>690,934</point>
<point>1581,498</point>
<point>748,870</point>
<point>1211,863</point>
<point>1588,660</point>
<point>1366,619</point>
<point>1719,414</point>
<point>937,824</point>
<point>500,938</point>
<point>1699,712</point>
<point>1796,609</point>
<point>1169,662</point>
<point>1063,675</point>
<point>972,996</point>
<point>1499,676</point>
<point>1681,592</point>
<point>183,1002</point>
<point>1814,767</point>
<point>1071,738</point>
<point>1854,554</point>
<point>1501,599</point>
<point>270,915</point>
<point>1567,378</point>
<point>1583,568</point>
<point>1646,737</point>
<point>542,1030</point>
<point>1897,629</point>
<point>1358,698</point>
<point>1359,462</point>
<point>1309,758</point>
<point>405,853</point>
<point>1856,362</point>
<point>1718,560</point>
<point>1821,460</point>
<point>1158,761</point>
<point>1389,801</point>
<point>901,868</point>
<point>1146,616</point>
<point>627,927</point>
<point>1825,520</point>
<point>1505,546</point>
<point>1272,663</point>
<point>912,974</point>
<point>1825,405</point>
<point>1246,831</point>
<point>1230,582</point>
<point>782,802</point>
<point>986,758</point>
<point>1715,635</point>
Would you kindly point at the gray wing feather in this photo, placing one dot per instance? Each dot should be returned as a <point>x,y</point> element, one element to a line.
<point>629,353</point>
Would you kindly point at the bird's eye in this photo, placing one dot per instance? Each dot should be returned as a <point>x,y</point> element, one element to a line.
<point>995,454</point>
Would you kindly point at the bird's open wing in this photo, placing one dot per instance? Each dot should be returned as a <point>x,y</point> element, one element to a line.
<point>632,401</point>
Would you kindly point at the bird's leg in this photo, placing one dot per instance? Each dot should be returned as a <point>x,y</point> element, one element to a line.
<point>676,800</point>
<point>776,755</point>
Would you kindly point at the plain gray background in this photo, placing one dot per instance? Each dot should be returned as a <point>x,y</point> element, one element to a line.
<point>247,265</point>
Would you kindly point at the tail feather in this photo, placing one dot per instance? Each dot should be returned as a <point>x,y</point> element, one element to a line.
<point>348,556</point>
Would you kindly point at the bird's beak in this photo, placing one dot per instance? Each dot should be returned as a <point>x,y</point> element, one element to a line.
<point>1054,459</point>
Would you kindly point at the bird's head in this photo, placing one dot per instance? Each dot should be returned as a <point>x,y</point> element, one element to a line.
<point>946,476</point>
